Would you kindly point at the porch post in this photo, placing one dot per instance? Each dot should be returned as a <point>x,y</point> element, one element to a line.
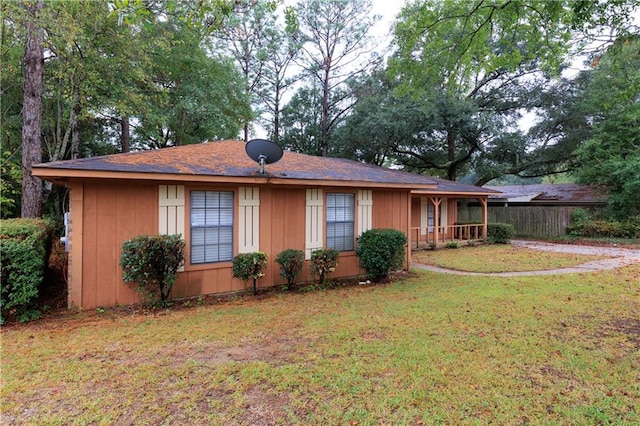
<point>436,217</point>
<point>483,203</point>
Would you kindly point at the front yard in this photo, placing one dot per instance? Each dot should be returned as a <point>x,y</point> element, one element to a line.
<point>431,348</point>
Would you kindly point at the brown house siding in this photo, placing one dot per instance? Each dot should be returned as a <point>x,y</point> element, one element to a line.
<point>110,214</point>
<point>104,215</point>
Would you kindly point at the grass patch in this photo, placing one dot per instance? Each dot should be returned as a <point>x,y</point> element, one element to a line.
<point>433,348</point>
<point>501,258</point>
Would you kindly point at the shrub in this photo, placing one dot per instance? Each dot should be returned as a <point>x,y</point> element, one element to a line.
<point>24,247</point>
<point>380,251</point>
<point>500,233</point>
<point>150,263</point>
<point>323,261</point>
<point>291,262</point>
<point>453,245</point>
<point>250,266</point>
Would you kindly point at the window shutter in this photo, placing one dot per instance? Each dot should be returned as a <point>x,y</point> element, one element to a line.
<point>314,222</point>
<point>249,220</point>
<point>365,208</point>
<point>171,209</point>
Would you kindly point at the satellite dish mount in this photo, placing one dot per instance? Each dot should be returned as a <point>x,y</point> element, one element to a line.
<point>263,152</point>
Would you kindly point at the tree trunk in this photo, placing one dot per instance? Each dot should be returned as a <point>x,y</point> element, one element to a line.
<point>125,134</point>
<point>75,125</point>
<point>32,111</point>
<point>451,155</point>
<point>325,112</point>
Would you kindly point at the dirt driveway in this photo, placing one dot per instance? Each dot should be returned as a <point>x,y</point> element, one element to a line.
<point>618,257</point>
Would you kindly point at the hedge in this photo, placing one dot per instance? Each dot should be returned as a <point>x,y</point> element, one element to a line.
<point>380,251</point>
<point>25,245</point>
<point>500,233</point>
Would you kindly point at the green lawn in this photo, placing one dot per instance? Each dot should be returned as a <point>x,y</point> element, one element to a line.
<point>500,258</point>
<point>432,348</point>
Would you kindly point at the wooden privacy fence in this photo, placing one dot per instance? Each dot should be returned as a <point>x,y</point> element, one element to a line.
<point>530,221</point>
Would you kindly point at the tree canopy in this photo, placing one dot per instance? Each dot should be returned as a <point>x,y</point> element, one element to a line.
<point>474,90</point>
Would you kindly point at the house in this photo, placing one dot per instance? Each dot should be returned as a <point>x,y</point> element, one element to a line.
<point>218,199</point>
<point>538,210</point>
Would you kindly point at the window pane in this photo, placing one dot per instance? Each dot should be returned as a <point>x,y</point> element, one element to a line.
<point>211,226</point>
<point>340,213</point>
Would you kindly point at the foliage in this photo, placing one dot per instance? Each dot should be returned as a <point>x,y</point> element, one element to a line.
<point>196,97</point>
<point>335,48</point>
<point>611,157</point>
<point>500,233</point>
<point>250,266</point>
<point>248,37</point>
<point>477,66</point>
<point>324,261</point>
<point>111,85</point>
<point>150,263</point>
<point>381,251</point>
<point>10,184</point>
<point>301,122</point>
<point>453,245</point>
<point>291,262</point>
<point>24,247</point>
<point>582,225</point>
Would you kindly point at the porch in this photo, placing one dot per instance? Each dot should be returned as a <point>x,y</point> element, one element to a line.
<point>429,237</point>
<point>435,220</point>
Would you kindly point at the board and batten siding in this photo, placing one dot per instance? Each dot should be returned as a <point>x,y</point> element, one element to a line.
<point>111,214</point>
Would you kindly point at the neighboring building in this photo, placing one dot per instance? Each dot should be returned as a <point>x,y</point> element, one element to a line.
<point>538,210</point>
<point>215,196</point>
<point>567,194</point>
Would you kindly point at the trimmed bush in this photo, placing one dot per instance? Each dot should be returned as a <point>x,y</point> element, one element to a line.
<point>24,247</point>
<point>381,251</point>
<point>453,245</point>
<point>500,233</point>
<point>323,261</point>
<point>584,226</point>
<point>150,264</point>
<point>250,266</point>
<point>291,262</point>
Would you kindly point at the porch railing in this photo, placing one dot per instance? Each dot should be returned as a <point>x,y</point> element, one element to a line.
<point>424,236</point>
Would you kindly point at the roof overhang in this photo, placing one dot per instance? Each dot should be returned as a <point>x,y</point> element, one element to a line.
<point>62,176</point>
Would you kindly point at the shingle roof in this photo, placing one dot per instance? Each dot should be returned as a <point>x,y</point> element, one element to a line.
<point>229,159</point>
<point>567,193</point>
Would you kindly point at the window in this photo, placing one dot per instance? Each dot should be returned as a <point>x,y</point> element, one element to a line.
<point>211,226</point>
<point>340,221</point>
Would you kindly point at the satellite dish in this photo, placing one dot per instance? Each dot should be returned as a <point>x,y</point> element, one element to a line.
<point>263,152</point>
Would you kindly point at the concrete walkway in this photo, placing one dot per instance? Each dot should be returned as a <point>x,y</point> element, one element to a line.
<point>618,257</point>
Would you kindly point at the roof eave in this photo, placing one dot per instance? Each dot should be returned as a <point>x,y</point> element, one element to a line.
<point>62,175</point>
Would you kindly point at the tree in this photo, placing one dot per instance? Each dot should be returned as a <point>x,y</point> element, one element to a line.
<point>301,121</point>
<point>32,111</point>
<point>246,36</point>
<point>335,41</point>
<point>195,97</point>
<point>611,156</point>
<point>282,49</point>
<point>486,63</point>
<point>380,121</point>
